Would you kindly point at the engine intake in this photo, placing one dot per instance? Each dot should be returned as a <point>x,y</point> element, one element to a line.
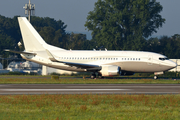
<point>110,70</point>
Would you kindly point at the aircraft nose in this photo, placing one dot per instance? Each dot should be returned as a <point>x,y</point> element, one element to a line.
<point>173,64</point>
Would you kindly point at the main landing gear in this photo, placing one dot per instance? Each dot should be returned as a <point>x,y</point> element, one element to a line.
<point>93,76</point>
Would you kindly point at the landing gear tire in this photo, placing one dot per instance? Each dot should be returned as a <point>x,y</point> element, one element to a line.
<point>100,77</point>
<point>93,76</point>
<point>155,77</point>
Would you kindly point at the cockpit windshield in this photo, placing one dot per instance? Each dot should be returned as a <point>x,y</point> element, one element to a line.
<point>163,59</point>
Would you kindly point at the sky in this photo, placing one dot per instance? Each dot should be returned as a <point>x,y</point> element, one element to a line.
<point>74,13</point>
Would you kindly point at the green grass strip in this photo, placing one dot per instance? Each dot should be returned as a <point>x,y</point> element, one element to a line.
<point>89,107</point>
<point>71,80</point>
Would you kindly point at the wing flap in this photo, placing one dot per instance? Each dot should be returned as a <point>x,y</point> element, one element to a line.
<point>88,67</point>
<point>80,65</point>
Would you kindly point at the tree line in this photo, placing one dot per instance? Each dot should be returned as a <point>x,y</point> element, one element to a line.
<point>52,31</point>
<point>115,25</point>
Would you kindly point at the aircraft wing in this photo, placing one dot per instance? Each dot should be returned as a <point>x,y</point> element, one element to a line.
<point>20,52</point>
<point>88,67</point>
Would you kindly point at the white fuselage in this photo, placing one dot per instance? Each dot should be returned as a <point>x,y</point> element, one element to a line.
<point>133,61</point>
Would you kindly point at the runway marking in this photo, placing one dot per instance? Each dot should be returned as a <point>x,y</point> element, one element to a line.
<point>22,90</point>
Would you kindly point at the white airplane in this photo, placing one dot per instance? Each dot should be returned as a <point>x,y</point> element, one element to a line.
<point>104,63</point>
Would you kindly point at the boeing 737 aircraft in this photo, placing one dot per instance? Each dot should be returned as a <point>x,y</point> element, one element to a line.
<point>102,63</point>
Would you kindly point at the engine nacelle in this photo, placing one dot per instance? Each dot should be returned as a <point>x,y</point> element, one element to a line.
<point>110,70</point>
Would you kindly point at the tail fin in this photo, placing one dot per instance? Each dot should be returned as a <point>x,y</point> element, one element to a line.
<point>31,38</point>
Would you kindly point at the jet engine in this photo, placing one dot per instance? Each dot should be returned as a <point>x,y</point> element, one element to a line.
<point>110,70</point>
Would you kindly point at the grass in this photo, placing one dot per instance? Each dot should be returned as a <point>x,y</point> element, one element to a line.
<point>89,107</point>
<point>71,80</point>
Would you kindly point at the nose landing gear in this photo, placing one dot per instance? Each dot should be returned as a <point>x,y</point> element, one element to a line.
<point>155,77</point>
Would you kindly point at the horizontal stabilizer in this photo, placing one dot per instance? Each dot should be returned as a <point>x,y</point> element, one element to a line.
<point>20,52</point>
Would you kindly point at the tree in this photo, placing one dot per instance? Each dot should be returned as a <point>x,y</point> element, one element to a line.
<point>124,24</point>
<point>51,30</point>
<point>76,41</point>
<point>153,45</point>
<point>169,46</point>
<point>9,35</point>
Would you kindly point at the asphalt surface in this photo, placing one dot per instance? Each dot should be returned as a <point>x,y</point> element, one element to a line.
<point>149,89</point>
<point>77,77</point>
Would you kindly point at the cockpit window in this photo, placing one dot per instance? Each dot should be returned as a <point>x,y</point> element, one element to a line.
<point>163,59</point>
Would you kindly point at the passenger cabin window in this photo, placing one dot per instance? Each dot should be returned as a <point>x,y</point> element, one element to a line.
<point>163,59</point>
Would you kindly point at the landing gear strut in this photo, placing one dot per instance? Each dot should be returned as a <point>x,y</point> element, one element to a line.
<point>100,76</point>
<point>93,76</point>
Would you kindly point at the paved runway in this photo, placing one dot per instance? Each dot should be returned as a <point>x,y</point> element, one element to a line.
<point>89,89</point>
<point>77,77</point>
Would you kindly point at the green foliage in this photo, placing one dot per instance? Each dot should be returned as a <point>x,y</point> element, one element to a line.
<point>54,33</point>
<point>143,75</point>
<point>51,30</point>
<point>79,42</point>
<point>54,73</point>
<point>165,45</point>
<point>9,34</point>
<point>171,74</point>
<point>124,24</point>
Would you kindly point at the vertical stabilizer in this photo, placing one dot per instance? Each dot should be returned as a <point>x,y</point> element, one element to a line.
<point>31,38</point>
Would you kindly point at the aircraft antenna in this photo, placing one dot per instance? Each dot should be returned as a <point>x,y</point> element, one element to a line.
<point>29,10</point>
